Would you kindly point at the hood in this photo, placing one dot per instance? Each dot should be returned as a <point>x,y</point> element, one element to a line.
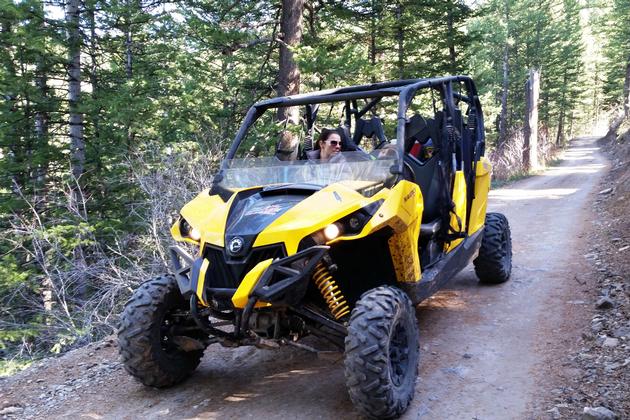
<point>312,214</point>
<point>251,214</point>
<point>272,215</point>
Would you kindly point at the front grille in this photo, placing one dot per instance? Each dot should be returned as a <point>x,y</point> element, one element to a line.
<point>227,272</point>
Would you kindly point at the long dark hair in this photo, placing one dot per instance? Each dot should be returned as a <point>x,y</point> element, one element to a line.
<point>327,132</point>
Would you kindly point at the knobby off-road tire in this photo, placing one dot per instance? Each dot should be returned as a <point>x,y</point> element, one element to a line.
<point>381,363</point>
<point>144,346</point>
<point>494,262</point>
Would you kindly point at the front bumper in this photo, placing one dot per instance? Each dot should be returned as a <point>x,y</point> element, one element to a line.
<point>284,282</point>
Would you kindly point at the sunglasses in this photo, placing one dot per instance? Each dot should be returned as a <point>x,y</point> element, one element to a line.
<point>333,142</point>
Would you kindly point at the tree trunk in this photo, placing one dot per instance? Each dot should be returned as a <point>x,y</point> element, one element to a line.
<point>372,48</point>
<point>506,80</point>
<point>95,111</point>
<point>128,52</point>
<point>74,91</point>
<point>289,73</point>
<point>129,131</point>
<point>530,146</point>
<point>560,135</point>
<point>450,39</point>
<point>41,121</point>
<point>95,108</point>
<point>77,142</point>
<point>400,38</point>
<point>41,132</point>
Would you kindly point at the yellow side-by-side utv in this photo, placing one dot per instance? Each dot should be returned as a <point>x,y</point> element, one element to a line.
<point>289,244</point>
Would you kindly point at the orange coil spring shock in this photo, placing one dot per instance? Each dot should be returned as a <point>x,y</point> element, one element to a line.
<point>330,291</point>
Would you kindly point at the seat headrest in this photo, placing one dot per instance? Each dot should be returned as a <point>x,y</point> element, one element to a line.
<point>416,130</point>
<point>372,127</point>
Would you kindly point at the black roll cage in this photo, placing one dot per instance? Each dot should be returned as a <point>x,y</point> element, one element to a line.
<point>405,90</point>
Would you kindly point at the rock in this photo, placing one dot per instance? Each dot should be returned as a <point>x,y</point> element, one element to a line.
<point>604,303</point>
<point>621,332</point>
<point>612,366</point>
<point>467,356</point>
<point>598,413</point>
<point>597,327</point>
<point>606,191</point>
<point>554,413</point>
<point>14,409</point>
<point>610,342</point>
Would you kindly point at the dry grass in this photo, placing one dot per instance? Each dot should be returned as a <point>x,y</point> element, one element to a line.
<point>507,158</point>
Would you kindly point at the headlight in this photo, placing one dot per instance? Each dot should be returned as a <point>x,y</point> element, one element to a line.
<point>195,235</point>
<point>331,231</point>
<point>188,231</point>
<point>351,224</point>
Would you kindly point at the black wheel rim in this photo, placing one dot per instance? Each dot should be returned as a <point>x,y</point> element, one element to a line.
<point>166,336</point>
<point>175,323</point>
<point>398,353</point>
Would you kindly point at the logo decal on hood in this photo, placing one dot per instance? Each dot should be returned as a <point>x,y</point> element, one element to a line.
<point>269,210</point>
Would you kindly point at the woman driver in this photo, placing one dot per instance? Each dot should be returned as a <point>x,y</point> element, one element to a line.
<point>329,143</point>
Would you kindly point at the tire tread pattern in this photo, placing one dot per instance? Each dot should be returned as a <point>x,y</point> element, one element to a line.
<point>367,367</point>
<point>493,265</point>
<point>139,338</point>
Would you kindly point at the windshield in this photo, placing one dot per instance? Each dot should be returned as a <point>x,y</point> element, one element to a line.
<point>358,169</point>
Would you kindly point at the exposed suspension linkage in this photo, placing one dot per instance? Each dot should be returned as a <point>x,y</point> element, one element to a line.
<point>330,291</point>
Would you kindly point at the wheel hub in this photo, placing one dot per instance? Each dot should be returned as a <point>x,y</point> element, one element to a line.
<point>398,354</point>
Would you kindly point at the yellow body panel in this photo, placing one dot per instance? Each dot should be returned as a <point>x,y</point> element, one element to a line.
<point>458,219</point>
<point>208,214</point>
<point>480,202</point>
<point>311,215</point>
<point>240,297</point>
<point>403,212</point>
<point>201,281</point>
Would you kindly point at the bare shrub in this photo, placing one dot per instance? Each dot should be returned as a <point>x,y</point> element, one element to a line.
<point>170,182</point>
<point>69,302</point>
<point>507,158</point>
<point>548,150</point>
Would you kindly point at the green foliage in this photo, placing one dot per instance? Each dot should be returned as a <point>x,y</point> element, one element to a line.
<point>544,35</point>
<point>615,27</point>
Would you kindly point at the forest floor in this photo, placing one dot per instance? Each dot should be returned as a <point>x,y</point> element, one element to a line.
<point>549,343</point>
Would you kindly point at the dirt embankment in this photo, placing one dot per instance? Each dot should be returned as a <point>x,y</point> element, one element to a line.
<point>548,343</point>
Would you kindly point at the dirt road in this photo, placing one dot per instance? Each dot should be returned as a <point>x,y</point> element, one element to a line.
<point>487,352</point>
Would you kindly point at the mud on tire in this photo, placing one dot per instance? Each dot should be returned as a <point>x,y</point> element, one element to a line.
<point>147,350</point>
<point>381,355</point>
<point>494,262</point>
